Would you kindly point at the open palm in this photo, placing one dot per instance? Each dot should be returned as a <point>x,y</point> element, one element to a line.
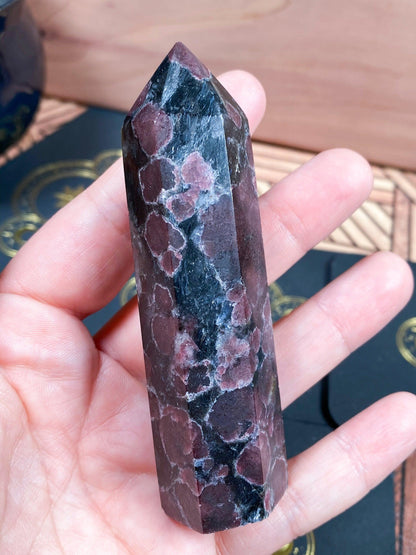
<point>77,471</point>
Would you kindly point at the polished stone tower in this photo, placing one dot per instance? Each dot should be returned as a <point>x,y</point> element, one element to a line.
<point>203,299</point>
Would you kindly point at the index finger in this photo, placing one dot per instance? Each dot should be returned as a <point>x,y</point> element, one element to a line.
<point>82,257</point>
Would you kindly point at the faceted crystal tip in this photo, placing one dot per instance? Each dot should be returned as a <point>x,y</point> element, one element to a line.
<point>203,297</point>
<point>181,54</point>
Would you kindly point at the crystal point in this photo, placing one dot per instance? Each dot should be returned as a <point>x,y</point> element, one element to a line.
<point>203,299</point>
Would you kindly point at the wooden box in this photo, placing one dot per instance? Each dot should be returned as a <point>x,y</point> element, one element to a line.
<point>336,73</point>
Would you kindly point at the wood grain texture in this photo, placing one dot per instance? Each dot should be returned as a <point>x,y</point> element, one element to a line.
<point>336,73</point>
<point>386,221</point>
<point>405,507</point>
<point>401,235</point>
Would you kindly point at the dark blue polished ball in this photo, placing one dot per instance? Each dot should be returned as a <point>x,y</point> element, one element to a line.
<point>21,70</point>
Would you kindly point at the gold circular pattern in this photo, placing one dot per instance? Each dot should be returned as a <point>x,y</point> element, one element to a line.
<point>61,181</point>
<point>15,231</point>
<point>51,178</point>
<point>71,175</point>
<point>406,340</point>
<point>104,160</point>
<point>305,545</point>
<point>275,290</point>
<point>128,291</point>
<point>282,306</point>
<point>285,550</point>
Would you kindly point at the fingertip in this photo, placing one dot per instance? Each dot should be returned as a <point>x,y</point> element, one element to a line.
<point>395,275</point>
<point>406,424</point>
<point>248,92</point>
<point>403,405</point>
<point>352,168</point>
<point>355,170</point>
<point>399,421</point>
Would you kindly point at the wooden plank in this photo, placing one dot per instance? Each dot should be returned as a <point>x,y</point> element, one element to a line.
<point>291,154</point>
<point>275,163</point>
<point>411,177</point>
<point>388,209</point>
<point>377,171</point>
<point>333,247</point>
<point>403,182</point>
<point>412,239</point>
<point>383,183</point>
<point>273,176</point>
<point>340,237</point>
<point>286,159</point>
<point>398,513</point>
<point>409,524</point>
<point>405,507</point>
<point>401,224</point>
<point>382,197</point>
<point>371,230</point>
<point>53,110</point>
<point>262,186</point>
<point>358,237</point>
<point>378,216</point>
<point>318,97</point>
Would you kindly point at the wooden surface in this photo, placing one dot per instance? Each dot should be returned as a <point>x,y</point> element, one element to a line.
<point>405,505</point>
<point>336,73</point>
<point>386,221</point>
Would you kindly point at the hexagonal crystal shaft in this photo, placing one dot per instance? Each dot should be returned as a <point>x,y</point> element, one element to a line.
<point>203,299</point>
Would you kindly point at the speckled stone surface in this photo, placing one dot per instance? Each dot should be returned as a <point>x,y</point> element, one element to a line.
<point>203,299</point>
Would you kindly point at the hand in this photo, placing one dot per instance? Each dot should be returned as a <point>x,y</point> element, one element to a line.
<point>77,471</point>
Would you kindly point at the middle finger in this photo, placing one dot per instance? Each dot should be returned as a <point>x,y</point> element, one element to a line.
<point>296,214</point>
<point>315,337</point>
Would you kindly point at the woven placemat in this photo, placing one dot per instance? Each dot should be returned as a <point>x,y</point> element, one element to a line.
<point>386,221</point>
